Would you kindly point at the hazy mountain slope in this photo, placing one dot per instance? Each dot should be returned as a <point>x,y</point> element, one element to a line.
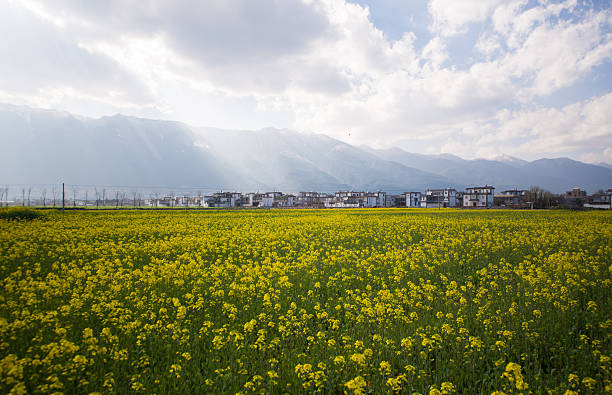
<point>276,154</point>
<point>557,175</point>
<point>510,160</point>
<point>50,147</point>
<point>42,146</point>
<point>606,165</point>
<point>463,172</point>
<point>568,173</point>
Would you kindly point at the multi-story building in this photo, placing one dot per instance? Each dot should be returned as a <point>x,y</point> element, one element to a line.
<point>439,198</point>
<point>601,200</point>
<point>514,198</point>
<point>396,200</point>
<point>356,199</point>
<point>575,198</point>
<point>313,199</point>
<point>413,199</point>
<point>223,199</point>
<point>478,196</point>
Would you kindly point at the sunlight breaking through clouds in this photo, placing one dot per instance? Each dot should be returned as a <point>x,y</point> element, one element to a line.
<point>466,81</point>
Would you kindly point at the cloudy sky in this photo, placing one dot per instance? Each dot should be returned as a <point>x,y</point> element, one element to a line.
<point>476,78</point>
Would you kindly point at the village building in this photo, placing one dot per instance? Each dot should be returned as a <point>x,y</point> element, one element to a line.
<point>575,198</point>
<point>165,201</point>
<point>396,201</point>
<point>413,199</point>
<point>380,197</point>
<point>356,199</point>
<point>251,199</point>
<point>312,199</point>
<point>459,199</point>
<point>480,197</point>
<point>600,200</point>
<point>512,198</point>
<point>438,198</point>
<point>268,199</point>
<point>347,199</point>
<point>285,201</point>
<point>575,193</point>
<point>223,200</point>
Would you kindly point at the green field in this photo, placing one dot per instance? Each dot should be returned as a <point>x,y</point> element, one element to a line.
<point>295,301</point>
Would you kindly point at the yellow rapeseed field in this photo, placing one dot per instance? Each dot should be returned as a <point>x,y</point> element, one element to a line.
<point>298,301</point>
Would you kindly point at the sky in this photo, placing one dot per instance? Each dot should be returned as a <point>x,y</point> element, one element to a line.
<point>474,78</point>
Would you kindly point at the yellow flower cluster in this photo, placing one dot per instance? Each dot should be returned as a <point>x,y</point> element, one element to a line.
<point>293,301</point>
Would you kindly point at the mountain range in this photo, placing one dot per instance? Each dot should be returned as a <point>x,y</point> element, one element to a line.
<point>46,146</point>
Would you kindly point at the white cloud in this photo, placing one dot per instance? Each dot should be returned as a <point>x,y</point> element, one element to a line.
<point>316,65</point>
<point>451,17</point>
<point>43,62</point>
<point>556,53</point>
<point>569,131</point>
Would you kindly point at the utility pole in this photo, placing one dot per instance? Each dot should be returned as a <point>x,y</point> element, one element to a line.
<point>63,197</point>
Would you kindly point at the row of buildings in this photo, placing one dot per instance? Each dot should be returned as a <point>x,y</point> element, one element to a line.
<point>474,197</point>
<point>579,198</point>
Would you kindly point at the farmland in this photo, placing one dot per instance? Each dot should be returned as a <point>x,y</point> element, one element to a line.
<point>362,301</point>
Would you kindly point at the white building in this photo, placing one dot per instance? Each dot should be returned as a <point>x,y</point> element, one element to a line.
<point>251,199</point>
<point>285,201</point>
<point>478,196</point>
<point>267,201</point>
<point>356,199</point>
<point>600,200</point>
<point>270,199</point>
<point>413,199</point>
<point>223,200</point>
<point>381,198</point>
<point>435,198</point>
<point>515,198</point>
<point>312,199</point>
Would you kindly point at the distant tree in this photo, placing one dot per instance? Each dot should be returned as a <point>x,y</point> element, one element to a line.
<point>134,196</point>
<point>86,196</point>
<point>23,196</point>
<point>29,193</point>
<point>43,194</point>
<point>542,198</point>
<point>54,192</point>
<point>104,196</point>
<point>74,194</point>
<point>97,193</point>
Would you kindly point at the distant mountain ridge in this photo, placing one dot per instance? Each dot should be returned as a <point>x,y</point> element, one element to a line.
<point>556,175</point>
<point>45,146</point>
